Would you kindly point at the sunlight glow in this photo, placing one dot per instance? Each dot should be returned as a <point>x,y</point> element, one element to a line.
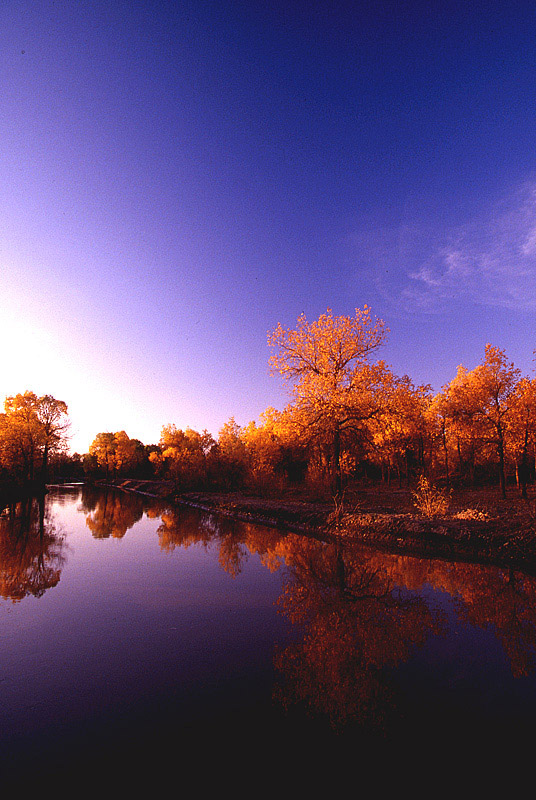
<point>36,360</point>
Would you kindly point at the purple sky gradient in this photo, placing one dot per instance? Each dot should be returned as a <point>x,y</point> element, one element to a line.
<point>177,178</point>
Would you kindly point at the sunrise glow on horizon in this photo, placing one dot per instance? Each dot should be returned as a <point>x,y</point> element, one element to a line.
<point>178,178</point>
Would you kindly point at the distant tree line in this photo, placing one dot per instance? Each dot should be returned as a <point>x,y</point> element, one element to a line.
<point>350,420</point>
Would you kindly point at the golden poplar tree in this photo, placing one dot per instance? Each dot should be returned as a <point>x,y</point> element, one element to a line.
<point>336,388</point>
<point>522,426</point>
<point>480,401</point>
<point>31,429</point>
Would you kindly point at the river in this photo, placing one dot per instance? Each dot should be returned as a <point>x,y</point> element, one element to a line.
<point>134,633</point>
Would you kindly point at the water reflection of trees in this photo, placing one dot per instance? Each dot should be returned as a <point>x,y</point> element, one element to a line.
<point>485,596</point>
<point>236,540</point>
<point>508,602</point>
<point>31,551</point>
<point>352,626</point>
<point>355,625</point>
<point>352,621</point>
<point>112,513</point>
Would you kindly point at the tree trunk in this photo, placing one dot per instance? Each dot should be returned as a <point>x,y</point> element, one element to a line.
<point>524,466</point>
<point>500,450</point>
<point>445,449</point>
<point>337,463</point>
<point>44,465</point>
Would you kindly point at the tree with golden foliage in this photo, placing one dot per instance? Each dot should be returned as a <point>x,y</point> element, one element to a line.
<point>52,416</point>
<point>460,431</point>
<point>337,389</point>
<point>522,429</point>
<point>263,456</point>
<point>401,433</point>
<point>440,429</point>
<point>103,449</point>
<point>116,453</point>
<point>182,455</point>
<point>31,429</point>
<point>231,457</point>
<point>482,401</point>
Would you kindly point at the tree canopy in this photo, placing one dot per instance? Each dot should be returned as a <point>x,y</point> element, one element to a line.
<point>336,389</point>
<point>32,428</point>
<point>349,418</point>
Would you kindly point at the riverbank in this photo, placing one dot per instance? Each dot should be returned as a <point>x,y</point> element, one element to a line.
<point>164,490</point>
<point>488,530</point>
<point>478,526</point>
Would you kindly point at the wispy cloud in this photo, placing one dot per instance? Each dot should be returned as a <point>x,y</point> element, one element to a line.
<point>490,260</point>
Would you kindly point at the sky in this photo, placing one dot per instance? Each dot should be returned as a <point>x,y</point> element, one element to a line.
<point>178,178</point>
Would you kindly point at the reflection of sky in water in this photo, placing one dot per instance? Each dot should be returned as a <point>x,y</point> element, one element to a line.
<point>460,685</point>
<point>178,621</point>
<point>129,620</point>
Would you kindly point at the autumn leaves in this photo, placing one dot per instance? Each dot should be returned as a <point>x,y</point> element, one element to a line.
<point>355,413</point>
<point>32,429</point>
<point>349,417</point>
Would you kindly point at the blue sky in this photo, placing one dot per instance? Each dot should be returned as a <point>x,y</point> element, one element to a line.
<point>177,178</point>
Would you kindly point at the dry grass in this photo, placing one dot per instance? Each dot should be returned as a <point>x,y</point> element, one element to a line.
<point>471,513</point>
<point>429,500</point>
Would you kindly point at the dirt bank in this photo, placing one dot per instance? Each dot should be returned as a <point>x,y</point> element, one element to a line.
<point>164,490</point>
<point>502,534</point>
<point>479,526</point>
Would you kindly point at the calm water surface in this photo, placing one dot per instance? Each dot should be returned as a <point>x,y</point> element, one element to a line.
<point>132,633</point>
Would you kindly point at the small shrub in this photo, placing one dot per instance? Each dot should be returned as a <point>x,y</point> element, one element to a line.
<point>340,521</point>
<point>429,500</point>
